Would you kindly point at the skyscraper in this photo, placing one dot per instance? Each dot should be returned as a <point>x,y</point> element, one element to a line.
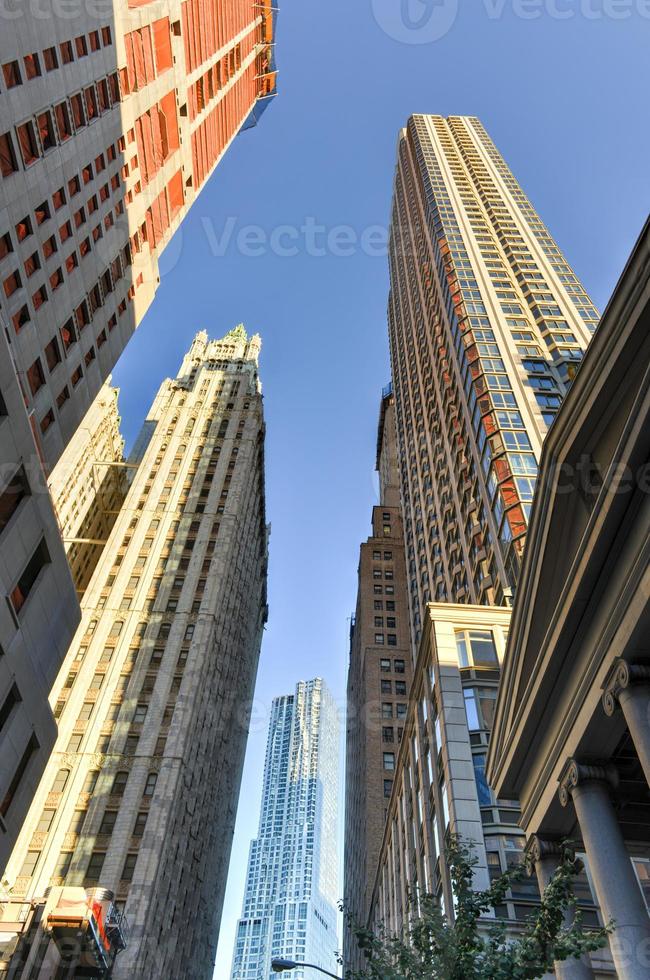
<point>39,614</point>
<point>379,679</point>
<point>88,485</point>
<point>487,325</point>
<point>291,892</point>
<point>140,793</point>
<point>112,118</point>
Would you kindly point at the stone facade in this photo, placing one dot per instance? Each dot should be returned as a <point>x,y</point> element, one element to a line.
<point>87,489</point>
<point>153,699</point>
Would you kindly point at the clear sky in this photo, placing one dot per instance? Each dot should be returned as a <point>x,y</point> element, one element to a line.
<point>565,98</point>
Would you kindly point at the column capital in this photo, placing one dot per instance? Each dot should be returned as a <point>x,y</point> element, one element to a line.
<point>621,676</point>
<point>577,773</point>
<point>538,847</point>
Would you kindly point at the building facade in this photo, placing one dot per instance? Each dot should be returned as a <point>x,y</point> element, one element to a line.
<point>111,121</point>
<point>39,613</point>
<point>571,736</point>
<point>379,679</point>
<point>88,485</point>
<point>289,907</point>
<point>440,785</point>
<point>487,324</point>
<point>140,794</point>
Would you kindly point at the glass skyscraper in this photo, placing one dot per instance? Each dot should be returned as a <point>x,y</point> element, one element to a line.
<point>289,907</point>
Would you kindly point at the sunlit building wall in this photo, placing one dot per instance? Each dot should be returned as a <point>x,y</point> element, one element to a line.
<point>488,324</point>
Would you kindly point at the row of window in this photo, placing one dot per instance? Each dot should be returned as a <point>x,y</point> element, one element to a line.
<point>50,59</point>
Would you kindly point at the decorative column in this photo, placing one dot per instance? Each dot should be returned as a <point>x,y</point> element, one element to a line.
<point>629,686</point>
<point>617,889</point>
<point>542,858</point>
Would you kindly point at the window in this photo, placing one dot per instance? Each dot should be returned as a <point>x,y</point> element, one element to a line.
<point>32,747</point>
<point>108,822</point>
<point>392,639</point>
<point>50,59</point>
<point>484,792</point>
<point>10,498</point>
<point>119,783</point>
<point>140,822</point>
<point>27,142</point>
<point>398,666</point>
<point>11,72</point>
<point>387,733</point>
<point>388,787</point>
<point>389,760</point>
<point>23,587</point>
<point>140,714</point>
<point>400,710</point>
<point>77,822</point>
<point>150,785</point>
<point>8,163</point>
<point>479,706</point>
<point>386,709</point>
<point>29,864</point>
<point>129,867</point>
<point>62,866</point>
<point>60,781</point>
<point>95,865</point>
<point>386,687</point>
<point>45,821</point>
<point>384,665</point>
<point>400,688</point>
<point>476,648</point>
<point>91,781</point>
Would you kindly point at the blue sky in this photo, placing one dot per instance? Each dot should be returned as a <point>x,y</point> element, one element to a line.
<point>564,98</point>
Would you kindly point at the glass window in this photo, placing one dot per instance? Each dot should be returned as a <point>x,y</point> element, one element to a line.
<point>476,648</point>
<point>389,760</point>
<point>484,793</point>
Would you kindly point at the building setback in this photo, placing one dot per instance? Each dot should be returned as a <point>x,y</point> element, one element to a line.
<point>88,485</point>
<point>487,324</point>
<point>111,122</point>
<point>379,679</point>
<point>139,796</point>
<point>289,907</point>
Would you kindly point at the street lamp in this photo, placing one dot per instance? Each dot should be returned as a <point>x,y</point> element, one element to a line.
<point>278,965</point>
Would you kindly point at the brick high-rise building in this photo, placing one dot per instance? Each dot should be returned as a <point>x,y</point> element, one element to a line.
<point>379,680</point>
<point>139,796</point>
<point>487,324</point>
<point>88,485</point>
<point>111,121</point>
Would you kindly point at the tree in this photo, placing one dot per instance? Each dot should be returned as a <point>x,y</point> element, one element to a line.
<point>472,947</point>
